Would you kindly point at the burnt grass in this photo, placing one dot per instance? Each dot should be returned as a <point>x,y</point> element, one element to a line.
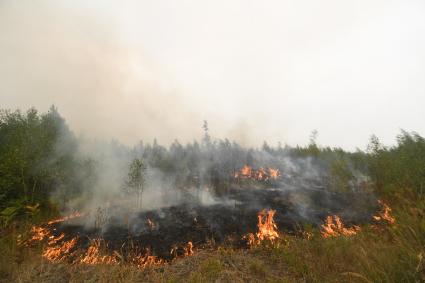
<point>224,222</point>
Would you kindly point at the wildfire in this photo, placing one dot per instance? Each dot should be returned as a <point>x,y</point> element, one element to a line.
<point>260,174</point>
<point>267,228</point>
<point>146,260</point>
<point>93,255</point>
<point>188,249</point>
<point>39,233</point>
<point>59,252</point>
<point>334,227</point>
<point>53,240</point>
<point>384,214</point>
<point>66,218</point>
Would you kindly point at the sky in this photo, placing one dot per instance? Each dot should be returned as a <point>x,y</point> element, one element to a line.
<point>255,70</point>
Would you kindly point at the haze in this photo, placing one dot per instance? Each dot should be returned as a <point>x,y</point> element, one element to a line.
<point>256,70</point>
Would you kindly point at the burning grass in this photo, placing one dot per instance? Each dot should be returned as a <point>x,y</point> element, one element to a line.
<point>157,237</point>
<point>389,255</point>
<point>184,244</point>
<point>334,227</point>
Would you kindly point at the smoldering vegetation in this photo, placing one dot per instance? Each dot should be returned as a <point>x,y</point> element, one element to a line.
<point>150,204</point>
<point>160,198</point>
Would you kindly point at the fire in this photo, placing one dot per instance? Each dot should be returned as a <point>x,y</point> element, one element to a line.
<point>39,233</point>
<point>188,250</point>
<point>260,174</point>
<point>274,173</point>
<point>142,261</point>
<point>267,228</point>
<point>334,227</point>
<point>59,252</point>
<point>244,172</point>
<point>53,240</point>
<point>93,255</point>
<point>384,214</point>
<point>66,218</point>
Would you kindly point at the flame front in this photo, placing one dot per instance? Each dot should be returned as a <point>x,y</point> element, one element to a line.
<point>59,252</point>
<point>66,218</point>
<point>93,255</point>
<point>261,174</point>
<point>334,227</point>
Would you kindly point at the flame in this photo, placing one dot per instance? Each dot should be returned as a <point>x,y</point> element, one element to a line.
<point>53,240</point>
<point>66,218</point>
<point>39,233</point>
<point>93,255</point>
<point>267,228</point>
<point>384,214</point>
<point>334,227</point>
<point>261,174</point>
<point>59,252</point>
<point>142,261</point>
<point>274,173</point>
<point>188,250</point>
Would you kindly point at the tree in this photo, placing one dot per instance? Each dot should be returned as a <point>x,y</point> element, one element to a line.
<point>207,137</point>
<point>136,179</point>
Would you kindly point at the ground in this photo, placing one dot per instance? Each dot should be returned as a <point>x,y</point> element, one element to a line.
<point>391,253</point>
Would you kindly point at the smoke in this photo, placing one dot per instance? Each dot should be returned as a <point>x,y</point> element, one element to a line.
<point>74,57</point>
<point>143,70</point>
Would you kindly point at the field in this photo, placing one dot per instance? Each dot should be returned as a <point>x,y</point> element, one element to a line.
<point>283,207</point>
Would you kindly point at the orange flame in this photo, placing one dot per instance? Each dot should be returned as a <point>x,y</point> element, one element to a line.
<point>59,252</point>
<point>39,233</point>
<point>93,255</point>
<point>146,260</point>
<point>66,218</point>
<point>334,227</point>
<point>188,250</point>
<point>267,228</point>
<point>261,174</point>
<point>384,214</point>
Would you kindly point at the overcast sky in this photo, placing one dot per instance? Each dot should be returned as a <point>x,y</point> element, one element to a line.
<point>256,70</point>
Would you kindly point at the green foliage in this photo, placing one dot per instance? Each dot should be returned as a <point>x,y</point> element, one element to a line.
<point>37,158</point>
<point>340,175</point>
<point>400,166</point>
<point>137,179</point>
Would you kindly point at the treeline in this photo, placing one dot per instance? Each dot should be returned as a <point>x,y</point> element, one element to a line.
<point>41,166</point>
<point>37,159</point>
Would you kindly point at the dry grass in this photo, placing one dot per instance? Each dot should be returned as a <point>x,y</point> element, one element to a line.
<point>391,254</point>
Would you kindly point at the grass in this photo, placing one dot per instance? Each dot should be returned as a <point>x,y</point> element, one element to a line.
<point>389,254</point>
